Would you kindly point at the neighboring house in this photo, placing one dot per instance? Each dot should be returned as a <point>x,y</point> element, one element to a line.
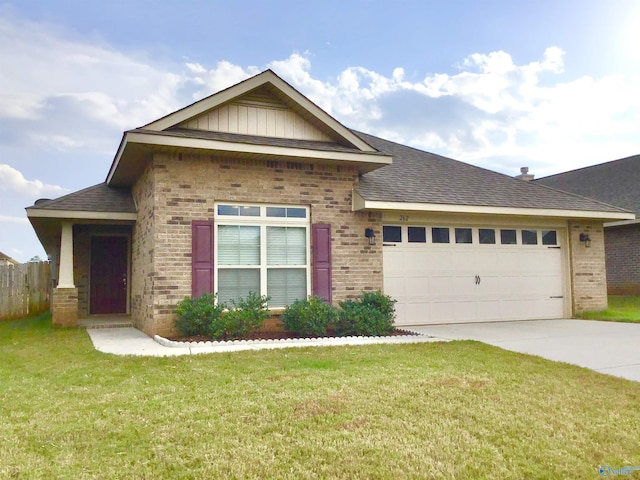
<point>616,183</point>
<point>6,260</point>
<point>256,188</point>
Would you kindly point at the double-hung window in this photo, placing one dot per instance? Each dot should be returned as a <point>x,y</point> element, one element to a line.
<point>262,249</point>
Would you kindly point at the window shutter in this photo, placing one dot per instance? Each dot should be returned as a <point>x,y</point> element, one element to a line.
<point>201,257</point>
<point>321,238</point>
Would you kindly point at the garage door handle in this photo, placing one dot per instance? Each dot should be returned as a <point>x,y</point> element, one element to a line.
<point>478,280</point>
<point>556,296</point>
<point>388,244</point>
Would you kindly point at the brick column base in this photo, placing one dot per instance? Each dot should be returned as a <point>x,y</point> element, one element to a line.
<point>64,307</point>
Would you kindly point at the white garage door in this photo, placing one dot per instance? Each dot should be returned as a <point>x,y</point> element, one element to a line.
<point>473,274</point>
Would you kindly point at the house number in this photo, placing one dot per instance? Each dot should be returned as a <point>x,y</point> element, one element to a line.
<point>404,218</point>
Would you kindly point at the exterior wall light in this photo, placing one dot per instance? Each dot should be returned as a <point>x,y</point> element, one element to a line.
<point>584,238</point>
<point>368,232</point>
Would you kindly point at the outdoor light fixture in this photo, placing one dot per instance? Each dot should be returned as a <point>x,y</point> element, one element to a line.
<point>368,232</point>
<point>584,238</point>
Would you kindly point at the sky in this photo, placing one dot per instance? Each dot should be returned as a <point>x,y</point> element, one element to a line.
<point>502,84</point>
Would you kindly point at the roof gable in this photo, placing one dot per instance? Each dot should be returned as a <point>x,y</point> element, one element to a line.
<point>261,117</point>
<point>261,113</point>
<point>261,105</point>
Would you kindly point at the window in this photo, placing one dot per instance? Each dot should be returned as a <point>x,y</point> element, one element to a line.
<point>391,234</point>
<point>529,237</point>
<point>487,236</point>
<point>264,250</point>
<point>463,235</point>
<point>549,237</point>
<point>417,235</point>
<point>508,237</point>
<point>440,235</point>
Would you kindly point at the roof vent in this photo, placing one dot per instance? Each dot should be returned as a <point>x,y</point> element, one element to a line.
<point>41,200</point>
<point>525,175</point>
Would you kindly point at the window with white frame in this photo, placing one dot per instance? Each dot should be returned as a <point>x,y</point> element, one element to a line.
<point>262,249</point>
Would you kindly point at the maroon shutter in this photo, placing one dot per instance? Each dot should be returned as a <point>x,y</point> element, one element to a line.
<point>201,257</point>
<point>321,238</point>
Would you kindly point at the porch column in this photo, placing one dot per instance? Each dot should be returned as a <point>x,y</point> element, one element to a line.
<point>65,275</point>
<point>64,301</point>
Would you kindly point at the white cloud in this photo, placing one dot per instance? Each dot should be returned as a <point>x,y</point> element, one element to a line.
<point>14,182</point>
<point>10,219</point>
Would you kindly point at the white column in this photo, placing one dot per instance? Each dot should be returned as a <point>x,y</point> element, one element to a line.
<point>65,276</point>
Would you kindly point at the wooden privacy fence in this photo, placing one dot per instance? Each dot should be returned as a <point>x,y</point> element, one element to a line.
<point>24,290</point>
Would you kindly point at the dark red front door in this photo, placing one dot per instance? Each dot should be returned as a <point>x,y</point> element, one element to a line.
<point>108,275</point>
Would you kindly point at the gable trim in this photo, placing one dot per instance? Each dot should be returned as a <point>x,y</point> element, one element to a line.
<point>268,76</point>
<point>360,203</point>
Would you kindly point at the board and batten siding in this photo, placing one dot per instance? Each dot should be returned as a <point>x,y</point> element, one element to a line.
<point>257,115</point>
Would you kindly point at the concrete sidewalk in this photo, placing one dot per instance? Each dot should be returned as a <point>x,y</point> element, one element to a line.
<point>130,341</point>
<point>606,347</point>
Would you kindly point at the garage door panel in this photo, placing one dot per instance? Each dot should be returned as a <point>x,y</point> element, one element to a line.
<point>445,283</point>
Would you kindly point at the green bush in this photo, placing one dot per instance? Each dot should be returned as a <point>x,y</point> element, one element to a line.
<point>372,314</point>
<point>203,317</point>
<point>309,317</point>
<point>198,316</point>
<point>245,316</point>
<point>381,302</point>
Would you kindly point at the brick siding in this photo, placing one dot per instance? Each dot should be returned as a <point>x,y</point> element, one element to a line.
<point>177,189</point>
<point>588,270</point>
<point>622,247</point>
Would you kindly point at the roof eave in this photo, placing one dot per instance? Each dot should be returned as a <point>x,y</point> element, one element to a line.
<point>360,203</point>
<point>363,161</point>
<point>33,212</point>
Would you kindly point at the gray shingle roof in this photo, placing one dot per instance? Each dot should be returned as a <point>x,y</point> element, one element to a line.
<point>98,198</point>
<point>616,182</point>
<point>421,177</point>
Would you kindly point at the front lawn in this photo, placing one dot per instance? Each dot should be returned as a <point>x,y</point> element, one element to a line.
<point>436,410</point>
<point>621,309</point>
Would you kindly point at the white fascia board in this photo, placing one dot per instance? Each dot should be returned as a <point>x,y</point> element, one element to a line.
<point>80,215</point>
<point>622,223</point>
<point>360,203</point>
<point>223,146</point>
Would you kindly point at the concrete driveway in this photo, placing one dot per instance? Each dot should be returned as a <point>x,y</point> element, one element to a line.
<point>606,347</point>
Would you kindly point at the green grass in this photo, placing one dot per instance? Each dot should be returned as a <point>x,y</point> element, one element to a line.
<point>437,410</point>
<point>621,309</point>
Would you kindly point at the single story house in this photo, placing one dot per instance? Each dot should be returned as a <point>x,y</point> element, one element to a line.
<point>6,260</point>
<point>255,188</point>
<point>616,183</point>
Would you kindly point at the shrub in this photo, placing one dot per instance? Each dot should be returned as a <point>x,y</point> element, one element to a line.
<point>309,317</point>
<point>198,316</point>
<point>372,313</point>
<point>244,317</point>
<point>381,302</point>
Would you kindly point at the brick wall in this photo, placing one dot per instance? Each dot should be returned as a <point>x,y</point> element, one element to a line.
<point>179,188</point>
<point>64,307</point>
<point>588,270</point>
<point>622,246</point>
<point>142,253</point>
